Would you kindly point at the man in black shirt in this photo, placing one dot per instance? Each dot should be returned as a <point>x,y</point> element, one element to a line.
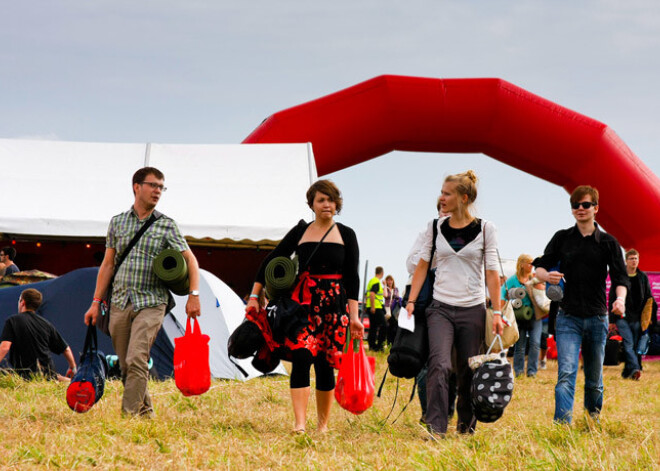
<point>581,256</point>
<point>29,338</point>
<point>629,325</point>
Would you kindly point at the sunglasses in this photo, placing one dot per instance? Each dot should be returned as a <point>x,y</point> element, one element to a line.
<point>584,204</point>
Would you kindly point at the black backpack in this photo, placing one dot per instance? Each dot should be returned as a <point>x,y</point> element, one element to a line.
<point>410,350</point>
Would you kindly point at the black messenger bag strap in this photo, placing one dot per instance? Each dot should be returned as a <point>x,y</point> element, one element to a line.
<point>154,216</point>
<point>309,259</point>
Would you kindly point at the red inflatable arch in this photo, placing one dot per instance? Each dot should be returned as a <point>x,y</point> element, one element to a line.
<point>485,115</point>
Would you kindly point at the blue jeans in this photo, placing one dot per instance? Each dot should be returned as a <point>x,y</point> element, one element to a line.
<point>630,333</point>
<point>571,333</point>
<point>534,331</point>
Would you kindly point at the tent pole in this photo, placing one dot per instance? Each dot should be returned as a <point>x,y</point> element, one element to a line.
<point>147,154</point>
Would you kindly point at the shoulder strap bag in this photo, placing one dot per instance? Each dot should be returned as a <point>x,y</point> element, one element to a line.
<point>510,334</point>
<point>301,293</point>
<point>104,323</point>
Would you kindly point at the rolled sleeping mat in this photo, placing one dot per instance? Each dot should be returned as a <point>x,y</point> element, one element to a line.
<point>517,293</point>
<point>554,292</point>
<point>280,274</point>
<point>516,303</point>
<point>524,313</point>
<point>181,288</point>
<point>171,268</point>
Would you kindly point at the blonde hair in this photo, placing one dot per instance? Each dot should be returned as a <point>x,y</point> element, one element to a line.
<point>523,258</point>
<point>466,184</point>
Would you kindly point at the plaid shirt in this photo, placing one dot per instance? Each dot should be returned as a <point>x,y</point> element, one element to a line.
<point>135,281</point>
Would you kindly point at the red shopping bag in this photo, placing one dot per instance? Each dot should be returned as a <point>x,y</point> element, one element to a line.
<point>192,373</point>
<point>552,348</point>
<point>355,381</point>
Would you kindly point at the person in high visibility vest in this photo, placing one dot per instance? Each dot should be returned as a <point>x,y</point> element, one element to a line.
<point>376,311</point>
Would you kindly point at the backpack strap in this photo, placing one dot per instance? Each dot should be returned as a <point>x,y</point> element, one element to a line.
<point>382,383</point>
<point>396,394</point>
<point>412,396</point>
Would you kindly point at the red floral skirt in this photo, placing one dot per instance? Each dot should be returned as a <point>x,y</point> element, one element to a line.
<point>328,324</point>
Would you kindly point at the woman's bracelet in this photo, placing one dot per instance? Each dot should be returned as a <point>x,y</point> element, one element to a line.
<point>619,298</point>
<point>97,300</point>
<point>411,301</point>
<point>497,313</point>
<point>254,296</point>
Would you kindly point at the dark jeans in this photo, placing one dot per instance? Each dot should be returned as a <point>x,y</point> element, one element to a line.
<point>462,329</point>
<point>377,329</point>
<point>630,332</point>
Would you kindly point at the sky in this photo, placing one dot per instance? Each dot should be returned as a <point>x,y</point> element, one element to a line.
<point>209,71</point>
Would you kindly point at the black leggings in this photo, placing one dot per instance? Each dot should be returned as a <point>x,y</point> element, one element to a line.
<point>302,361</point>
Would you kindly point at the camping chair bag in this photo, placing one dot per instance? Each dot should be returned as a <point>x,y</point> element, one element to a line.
<point>88,384</point>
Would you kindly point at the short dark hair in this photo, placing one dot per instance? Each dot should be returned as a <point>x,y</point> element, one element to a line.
<point>379,270</point>
<point>326,187</point>
<point>10,252</point>
<point>582,191</point>
<point>631,252</point>
<point>32,299</point>
<point>144,172</point>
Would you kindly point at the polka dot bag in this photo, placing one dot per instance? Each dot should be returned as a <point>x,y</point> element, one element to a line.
<point>492,384</point>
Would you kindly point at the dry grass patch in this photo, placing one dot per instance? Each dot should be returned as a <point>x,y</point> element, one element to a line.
<point>247,426</point>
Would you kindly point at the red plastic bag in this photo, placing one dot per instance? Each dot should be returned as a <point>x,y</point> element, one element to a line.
<point>355,381</point>
<point>552,348</point>
<point>192,373</point>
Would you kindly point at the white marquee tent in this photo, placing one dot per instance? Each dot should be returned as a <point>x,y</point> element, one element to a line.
<point>242,193</point>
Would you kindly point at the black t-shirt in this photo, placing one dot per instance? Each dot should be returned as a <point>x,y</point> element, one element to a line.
<point>32,339</point>
<point>459,238</point>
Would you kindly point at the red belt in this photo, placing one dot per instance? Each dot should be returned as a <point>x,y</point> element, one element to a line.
<point>305,283</point>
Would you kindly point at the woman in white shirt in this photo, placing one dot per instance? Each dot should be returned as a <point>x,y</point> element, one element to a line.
<point>456,316</point>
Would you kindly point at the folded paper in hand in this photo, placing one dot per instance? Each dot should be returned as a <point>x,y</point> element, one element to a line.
<point>406,322</point>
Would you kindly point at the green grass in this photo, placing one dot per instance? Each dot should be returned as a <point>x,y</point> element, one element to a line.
<point>247,426</point>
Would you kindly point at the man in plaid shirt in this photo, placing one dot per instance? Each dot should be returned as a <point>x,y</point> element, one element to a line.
<point>139,299</point>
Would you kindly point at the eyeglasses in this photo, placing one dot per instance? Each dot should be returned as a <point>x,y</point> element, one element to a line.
<point>155,185</point>
<point>584,204</point>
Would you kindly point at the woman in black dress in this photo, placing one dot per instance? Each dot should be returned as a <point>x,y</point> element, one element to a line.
<point>329,287</point>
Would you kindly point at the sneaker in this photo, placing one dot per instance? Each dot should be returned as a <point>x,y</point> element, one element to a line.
<point>636,375</point>
<point>544,364</point>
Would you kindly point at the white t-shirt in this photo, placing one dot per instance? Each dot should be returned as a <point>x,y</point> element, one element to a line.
<point>459,276</point>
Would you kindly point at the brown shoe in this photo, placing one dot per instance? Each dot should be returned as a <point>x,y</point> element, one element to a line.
<point>636,375</point>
